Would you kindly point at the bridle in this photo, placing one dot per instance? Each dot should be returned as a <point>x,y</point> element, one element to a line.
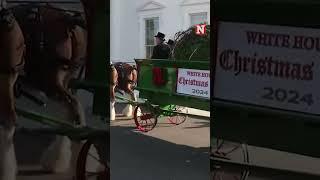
<point>125,72</point>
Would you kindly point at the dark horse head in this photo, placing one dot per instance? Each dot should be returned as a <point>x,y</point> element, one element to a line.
<point>127,77</point>
<point>56,48</point>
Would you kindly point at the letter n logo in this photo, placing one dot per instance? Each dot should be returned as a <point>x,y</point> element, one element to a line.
<point>201,29</point>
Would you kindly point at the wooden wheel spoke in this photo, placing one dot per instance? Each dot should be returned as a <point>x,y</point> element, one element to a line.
<point>146,116</point>
<point>98,160</point>
<point>145,121</point>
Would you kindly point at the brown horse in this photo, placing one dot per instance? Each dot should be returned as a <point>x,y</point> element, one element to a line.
<point>127,77</point>
<point>113,84</point>
<point>127,80</point>
<point>56,48</point>
<point>12,47</point>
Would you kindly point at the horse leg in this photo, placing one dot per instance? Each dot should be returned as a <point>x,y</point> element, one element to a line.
<point>112,103</point>
<point>77,115</point>
<point>8,163</point>
<point>128,110</point>
<point>77,109</point>
<point>60,155</point>
<point>56,158</point>
<point>62,151</point>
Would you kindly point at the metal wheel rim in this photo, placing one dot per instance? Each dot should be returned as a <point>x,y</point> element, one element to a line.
<point>144,124</point>
<point>173,119</point>
<point>81,171</point>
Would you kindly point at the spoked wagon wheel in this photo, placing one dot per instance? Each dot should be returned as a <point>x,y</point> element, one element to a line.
<point>90,166</point>
<point>144,117</point>
<point>176,118</point>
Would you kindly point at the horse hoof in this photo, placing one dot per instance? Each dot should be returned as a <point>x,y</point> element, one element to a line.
<point>58,156</point>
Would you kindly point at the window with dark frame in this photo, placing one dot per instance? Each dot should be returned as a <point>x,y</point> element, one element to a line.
<point>151,28</point>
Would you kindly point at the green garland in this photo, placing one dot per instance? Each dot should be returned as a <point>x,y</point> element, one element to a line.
<point>190,46</point>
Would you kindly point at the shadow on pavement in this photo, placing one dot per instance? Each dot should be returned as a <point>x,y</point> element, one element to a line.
<point>203,124</point>
<point>140,157</point>
<point>29,148</point>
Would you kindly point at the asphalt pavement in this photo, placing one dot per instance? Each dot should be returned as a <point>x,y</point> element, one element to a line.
<point>168,152</point>
<point>30,147</point>
<point>307,167</point>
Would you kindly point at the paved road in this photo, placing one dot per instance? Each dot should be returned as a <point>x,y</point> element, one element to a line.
<point>29,148</point>
<point>272,159</point>
<point>166,153</point>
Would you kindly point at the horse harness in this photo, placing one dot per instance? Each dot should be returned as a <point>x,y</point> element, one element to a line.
<point>124,72</point>
<point>57,61</point>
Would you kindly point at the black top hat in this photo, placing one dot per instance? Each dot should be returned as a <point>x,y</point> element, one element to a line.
<point>170,42</point>
<point>160,35</point>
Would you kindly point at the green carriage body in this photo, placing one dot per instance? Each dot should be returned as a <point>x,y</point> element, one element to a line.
<point>265,127</point>
<point>162,82</point>
<point>253,123</point>
<point>166,94</point>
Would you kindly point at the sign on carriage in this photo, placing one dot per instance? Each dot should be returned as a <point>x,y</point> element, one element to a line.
<point>194,82</point>
<point>268,65</point>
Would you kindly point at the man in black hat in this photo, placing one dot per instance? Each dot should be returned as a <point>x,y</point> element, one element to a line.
<point>161,50</point>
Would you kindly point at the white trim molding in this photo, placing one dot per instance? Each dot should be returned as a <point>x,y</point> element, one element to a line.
<point>152,5</point>
<point>192,7</point>
<point>194,2</point>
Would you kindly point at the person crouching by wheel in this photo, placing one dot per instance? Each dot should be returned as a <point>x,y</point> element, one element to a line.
<point>161,50</point>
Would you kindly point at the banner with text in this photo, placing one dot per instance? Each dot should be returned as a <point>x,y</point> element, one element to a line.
<point>268,65</point>
<point>194,82</point>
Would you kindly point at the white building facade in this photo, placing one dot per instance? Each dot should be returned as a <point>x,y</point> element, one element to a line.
<point>135,22</point>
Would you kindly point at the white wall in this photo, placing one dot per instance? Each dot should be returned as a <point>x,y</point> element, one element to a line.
<point>127,23</point>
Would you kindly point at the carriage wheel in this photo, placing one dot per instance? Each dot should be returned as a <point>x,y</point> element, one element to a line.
<point>90,166</point>
<point>144,118</point>
<point>177,118</point>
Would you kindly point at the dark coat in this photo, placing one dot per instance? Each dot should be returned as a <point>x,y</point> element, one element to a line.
<point>161,51</point>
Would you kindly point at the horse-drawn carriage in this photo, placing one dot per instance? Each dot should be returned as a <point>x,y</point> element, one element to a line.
<point>166,87</point>
<point>44,47</point>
